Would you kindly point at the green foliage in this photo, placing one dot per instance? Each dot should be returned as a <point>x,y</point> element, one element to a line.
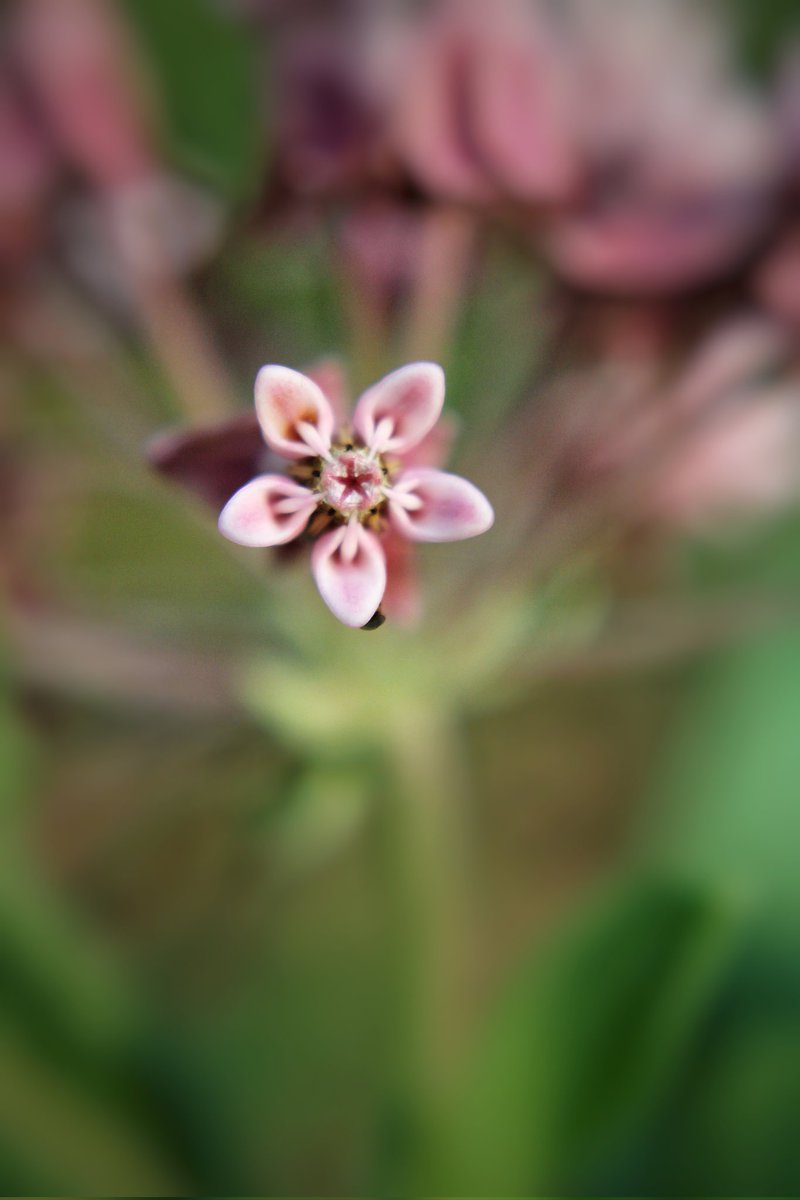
<point>725,815</point>
<point>764,28</point>
<point>725,807</point>
<point>66,1023</point>
<point>499,340</point>
<point>589,1039</point>
<point>285,288</point>
<point>135,551</point>
<point>206,70</point>
<point>766,556</point>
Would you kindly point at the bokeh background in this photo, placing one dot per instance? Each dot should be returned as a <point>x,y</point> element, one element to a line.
<point>503,897</point>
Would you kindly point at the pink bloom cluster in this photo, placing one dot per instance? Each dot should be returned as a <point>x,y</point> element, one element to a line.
<point>622,125</point>
<point>78,125</point>
<point>357,491</point>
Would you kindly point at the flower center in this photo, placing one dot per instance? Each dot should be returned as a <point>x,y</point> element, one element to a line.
<point>352,482</point>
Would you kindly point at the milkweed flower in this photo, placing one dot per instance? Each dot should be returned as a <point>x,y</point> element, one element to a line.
<point>682,160</point>
<point>91,89</point>
<point>358,491</point>
<point>482,107</point>
<point>618,134</point>
<point>697,450</point>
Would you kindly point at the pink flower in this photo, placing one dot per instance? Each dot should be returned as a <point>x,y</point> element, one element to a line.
<point>89,85</point>
<point>618,133</point>
<point>327,116</point>
<point>358,493</point>
<point>743,463</point>
<point>27,172</point>
<point>482,105</point>
<point>682,161</point>
<point>777,280</point>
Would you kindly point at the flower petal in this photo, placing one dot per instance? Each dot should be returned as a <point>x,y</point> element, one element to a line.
<point>330,376</point>
<point>522,124</point>
<point>295,416</point>
<point>268,511</point>
<point>397,412</point>
<point>349,569</point>
<point>213,462</point>
<point>432,111</point>
<point>433,506</point>
<point>402,600</point>
<point>655,250</point>
<point>434,449</point>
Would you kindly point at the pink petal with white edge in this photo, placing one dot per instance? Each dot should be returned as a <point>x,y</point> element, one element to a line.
<point>349,568</point>
<point>268,511</point>
<point>433,506</point>
<point>396,413</point>
<point>293,412</point>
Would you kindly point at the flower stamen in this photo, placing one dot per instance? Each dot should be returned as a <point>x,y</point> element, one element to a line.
<point>382,435</point>
<point>313,439</point>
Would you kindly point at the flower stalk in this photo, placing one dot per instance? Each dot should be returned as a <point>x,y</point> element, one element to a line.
<point>426,856</point>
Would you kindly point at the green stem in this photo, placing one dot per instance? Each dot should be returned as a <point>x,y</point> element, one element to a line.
<point>425,808</point>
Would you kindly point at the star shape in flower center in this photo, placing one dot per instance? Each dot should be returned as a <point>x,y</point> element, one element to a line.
<point>352,481</point>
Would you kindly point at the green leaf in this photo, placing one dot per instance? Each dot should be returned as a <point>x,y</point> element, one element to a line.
<point>763,29</point>
<point>57,1137</point>
<point>54,973</point>
<point>206,69</point>
<point>591,1038</point>
<point>724,816</point>
<point>725,807</point>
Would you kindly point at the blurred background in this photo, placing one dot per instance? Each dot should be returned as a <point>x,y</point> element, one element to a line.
<point>501,898</point>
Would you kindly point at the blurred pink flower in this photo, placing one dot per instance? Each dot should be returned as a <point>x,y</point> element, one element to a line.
<point>743,462</point>
<point>682,163</point>
<point>83,68</point>
<point>642,162</point>
<point>159,227</point>
<point>381,246</point>
<point>90,86</point>
<point>482,104</point>
<point>777,281</point>
<point>731,431</point>
<point>28,168</point>
<point>328,116</point>
<point>359,493</point>
<point>717,442</point>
